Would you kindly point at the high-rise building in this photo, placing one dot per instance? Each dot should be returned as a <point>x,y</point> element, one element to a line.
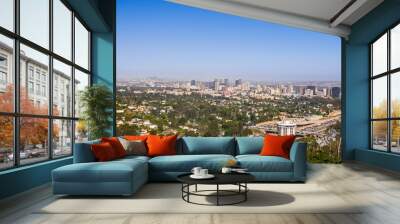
<point>238,82</point>
<point>311,89</point>
<point>216,84</point>
<point>245,86</point>
<point>300,90</point>
<point>335,92</point>
<point>193,83</point>
<point>226,82</point>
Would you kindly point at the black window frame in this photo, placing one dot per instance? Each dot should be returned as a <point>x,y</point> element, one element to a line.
<point>16,114</point>
<point>388,74</point>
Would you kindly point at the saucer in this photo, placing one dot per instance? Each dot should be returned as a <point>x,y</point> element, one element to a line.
<point>208,176</point>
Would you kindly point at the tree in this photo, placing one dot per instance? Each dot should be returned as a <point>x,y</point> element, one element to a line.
<point>33,131</point>
<point>97,102</point>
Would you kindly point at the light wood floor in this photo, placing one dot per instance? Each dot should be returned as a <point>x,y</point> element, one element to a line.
<point>378,189</point>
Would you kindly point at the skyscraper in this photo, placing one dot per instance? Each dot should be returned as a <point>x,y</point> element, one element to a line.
<point>216,84</point>
<point>226,82</point>
<point>335,92</point>
<point>238,82</point>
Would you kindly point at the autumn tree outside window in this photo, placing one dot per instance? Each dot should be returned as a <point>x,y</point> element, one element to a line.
<point>39,89</point>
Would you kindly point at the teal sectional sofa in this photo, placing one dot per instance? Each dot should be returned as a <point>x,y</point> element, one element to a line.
<point>125,176</point>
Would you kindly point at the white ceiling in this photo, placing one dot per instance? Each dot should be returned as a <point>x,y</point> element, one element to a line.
<point>317,15</point>
<point>320,9</point>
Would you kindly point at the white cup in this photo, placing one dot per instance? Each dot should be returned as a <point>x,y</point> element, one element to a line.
<point>196,171</point>
<point>226,170</point>
<point>203,172</point>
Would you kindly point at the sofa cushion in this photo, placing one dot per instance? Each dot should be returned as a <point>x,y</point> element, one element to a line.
<point>112,171</point>
<point>116,145</point>
<point>257,163</point>
<point>208,145</point>
<point>161,145</point>
<point>134,147</point>
<point>136,137</point>
<point>249,145</point>
<point>103,152</point>
<point>185,163</point>
<point>277,145</point>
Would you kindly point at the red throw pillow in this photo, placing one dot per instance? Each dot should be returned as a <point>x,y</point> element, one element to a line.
<point>136,137</point>
<point>103,152</point>
<point>116,145</point>
<point>161,145</point>
<point>277,145</point>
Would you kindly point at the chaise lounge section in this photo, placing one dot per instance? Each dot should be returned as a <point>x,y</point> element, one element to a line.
<point>125,176</point>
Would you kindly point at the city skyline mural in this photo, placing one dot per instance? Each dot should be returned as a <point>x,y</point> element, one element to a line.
<point>194,72</point>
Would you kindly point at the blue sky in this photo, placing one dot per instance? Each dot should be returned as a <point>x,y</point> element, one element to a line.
<point>167,40</point>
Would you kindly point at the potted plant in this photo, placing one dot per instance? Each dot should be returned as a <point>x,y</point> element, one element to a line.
<point>96,102</point>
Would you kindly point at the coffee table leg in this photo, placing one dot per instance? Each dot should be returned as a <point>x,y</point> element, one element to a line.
<point>245,193</point>
<point>188,189</point>
<point>195,188</point>
<point>217,194</point>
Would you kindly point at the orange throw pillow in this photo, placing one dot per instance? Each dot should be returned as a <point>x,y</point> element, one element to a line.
<point>116,145</point>
<point>136,137</point>
<point>103,152</point>
<point>161,145</point>
<point>277,145</point>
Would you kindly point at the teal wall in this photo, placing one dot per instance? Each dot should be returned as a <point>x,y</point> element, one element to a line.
<point>99,15</point>
<point>24,178</point>
<point>102,62</point>
<point>356,83</point>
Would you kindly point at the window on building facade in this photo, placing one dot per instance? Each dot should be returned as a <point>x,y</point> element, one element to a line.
<point>385,94</point>
<point>3,61</point>
<point>62,73</point>
<point>30,87</point>
<point>3,78</point>
<point>30,72</point>
<point>37,89</point>
<point>44,117</point>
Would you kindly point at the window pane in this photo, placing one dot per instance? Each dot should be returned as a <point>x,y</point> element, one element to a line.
<point>34,97</point>
<point>81,131</point>
<point>81,45</point>
<point>395,94</point>
<point>62,138</point>
<point>6,142</point>
<point>379,97</point>
<point>62,89</point>
<point>395,138</point>
<point>379,55</point>
<point>35,21</point>
<point>6,74</point>
<point>395,47</point>
<point>62,29</point>
<point>81,82</point>
<point>33,139</point>
<point>7,14</point>
<point>379,135</point>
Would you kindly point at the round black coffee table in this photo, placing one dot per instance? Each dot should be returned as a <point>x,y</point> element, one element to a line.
<point>238,179</point>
